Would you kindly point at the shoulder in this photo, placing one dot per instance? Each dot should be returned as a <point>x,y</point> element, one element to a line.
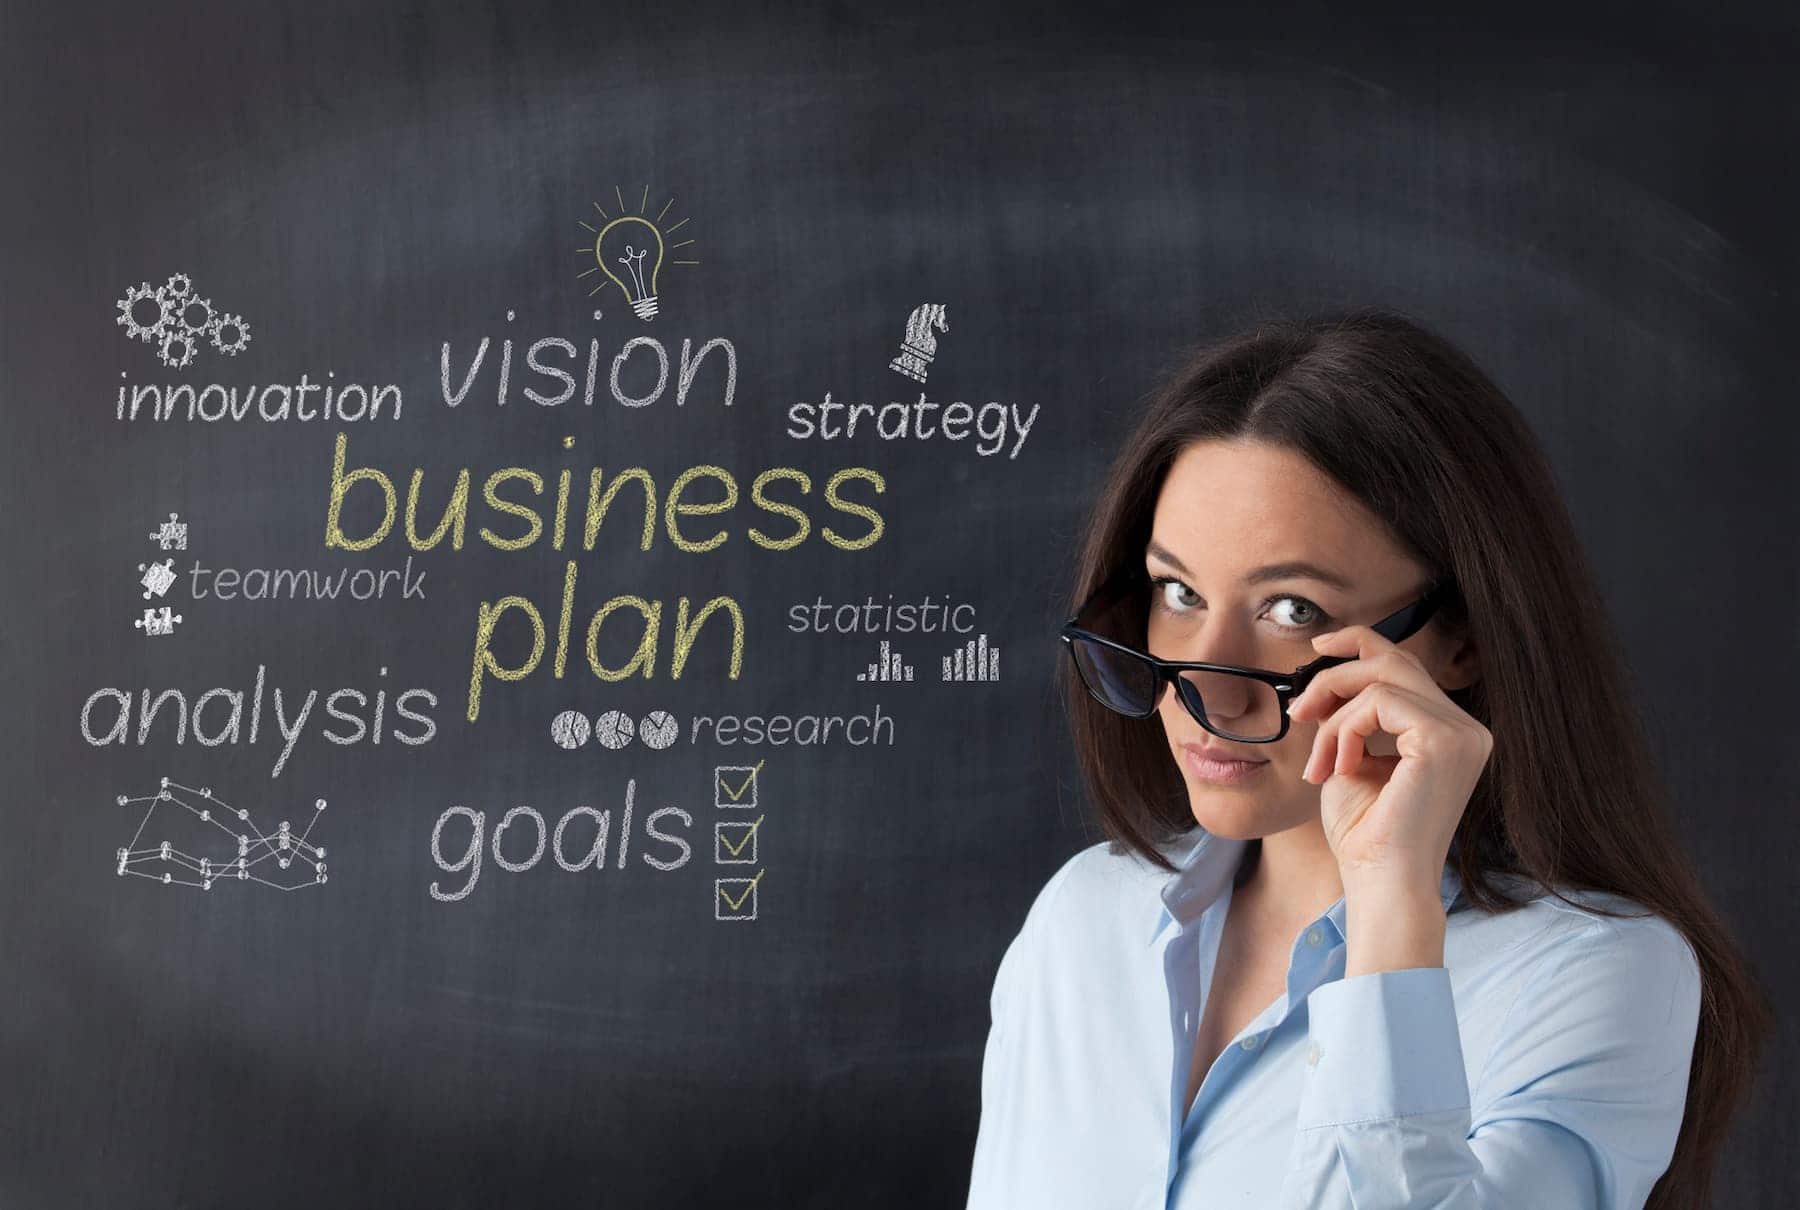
<point>1590,972</point>
<point>1102,884</point>
<point>1578,925</point>
<point>1629,947</point>
<point>1099,896</point>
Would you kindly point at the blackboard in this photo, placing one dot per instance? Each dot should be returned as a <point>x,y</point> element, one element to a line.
<point>828,805</point>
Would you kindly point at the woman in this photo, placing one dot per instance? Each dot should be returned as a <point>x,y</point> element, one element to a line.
<point>1432,942</point>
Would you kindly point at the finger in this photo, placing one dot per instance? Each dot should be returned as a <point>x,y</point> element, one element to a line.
<point>1339,746</point>
<point>1372,658</point>
<point>1350,741</point>
<point>1356,641</point>
<point>1338,684</point>
<point>1339,743</point>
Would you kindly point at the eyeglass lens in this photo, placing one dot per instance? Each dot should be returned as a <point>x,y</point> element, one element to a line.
<point>1237,707</point>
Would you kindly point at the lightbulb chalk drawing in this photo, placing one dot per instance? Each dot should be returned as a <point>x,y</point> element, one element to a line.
<point>630,251</point>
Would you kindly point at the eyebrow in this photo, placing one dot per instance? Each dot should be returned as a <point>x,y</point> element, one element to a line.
<point>1273,571</point>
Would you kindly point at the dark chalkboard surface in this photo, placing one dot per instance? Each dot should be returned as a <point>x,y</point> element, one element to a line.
<point>663,855</point>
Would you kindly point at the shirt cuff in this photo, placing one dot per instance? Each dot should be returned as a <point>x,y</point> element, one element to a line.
<point>1383,1045</point>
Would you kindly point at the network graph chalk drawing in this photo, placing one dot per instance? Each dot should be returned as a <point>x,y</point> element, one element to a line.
<point>514,517</point>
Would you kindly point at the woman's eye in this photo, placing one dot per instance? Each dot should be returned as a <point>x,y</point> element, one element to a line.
<point>1302,614</point>
<point>1173,596</point>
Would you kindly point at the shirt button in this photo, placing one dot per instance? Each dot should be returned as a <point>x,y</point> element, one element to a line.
<point>1250,1042</point>
<point>1312,1055</point>
<point>1314,936</point>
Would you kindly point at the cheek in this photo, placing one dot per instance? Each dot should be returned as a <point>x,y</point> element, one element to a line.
<point>1177,722</point>
<point>1292,750</point>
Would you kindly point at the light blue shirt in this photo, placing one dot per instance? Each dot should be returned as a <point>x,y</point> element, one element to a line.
<point>1544,1066</point>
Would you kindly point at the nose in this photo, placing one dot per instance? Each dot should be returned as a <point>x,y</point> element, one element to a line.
<point>1214,640</point>
<point>1223,698</point>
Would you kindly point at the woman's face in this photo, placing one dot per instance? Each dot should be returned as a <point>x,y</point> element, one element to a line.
<point>1233,523</point>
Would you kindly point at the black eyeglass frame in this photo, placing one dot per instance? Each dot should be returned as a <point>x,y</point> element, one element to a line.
<point>1396,627</point>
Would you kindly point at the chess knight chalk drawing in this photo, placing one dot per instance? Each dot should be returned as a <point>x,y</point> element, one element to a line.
<point>920,346</point>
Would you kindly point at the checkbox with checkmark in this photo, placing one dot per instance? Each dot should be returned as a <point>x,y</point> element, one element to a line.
<point>734,786</point>
<point>735,898</point>
<point>735,843</point>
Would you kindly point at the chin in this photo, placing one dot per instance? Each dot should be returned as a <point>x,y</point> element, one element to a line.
<point>1239,814</point>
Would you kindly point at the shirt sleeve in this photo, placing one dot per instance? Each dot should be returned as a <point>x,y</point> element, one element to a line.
<point>1578,1106</point>
<point>997,1067</point>
<point>998,1150</point>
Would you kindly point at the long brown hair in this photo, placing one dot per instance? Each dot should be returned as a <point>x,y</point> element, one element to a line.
<point>1410,426</point>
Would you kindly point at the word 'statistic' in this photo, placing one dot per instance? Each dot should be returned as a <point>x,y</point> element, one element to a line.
<point>928,615</point>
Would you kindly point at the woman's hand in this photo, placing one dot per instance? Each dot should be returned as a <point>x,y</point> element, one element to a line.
<point>1389,819</point>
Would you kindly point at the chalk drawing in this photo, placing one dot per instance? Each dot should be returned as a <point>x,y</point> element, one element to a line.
<point>172,535</point>
<point>614,729</point>
<point>886,666</point>
<point>973,661</point>
<point>156,577</point>
<point>919,346</point>
<point>157,621</point>
<point>658,729</point>
<point>176,321</point>
<point>569,729</point>
<point>734,786</point>
<point>629,251</point>
<point>228,843</point>
<point>735,843</point>
<point>735,898</point>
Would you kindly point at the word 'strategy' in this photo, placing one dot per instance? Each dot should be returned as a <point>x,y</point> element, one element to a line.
<point>996,425</point>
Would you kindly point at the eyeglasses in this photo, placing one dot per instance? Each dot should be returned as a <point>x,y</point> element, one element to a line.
<point>1248,705</point>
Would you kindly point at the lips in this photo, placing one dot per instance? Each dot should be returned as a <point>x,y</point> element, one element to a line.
<point>1204,767</point>
<point>1207,752</point>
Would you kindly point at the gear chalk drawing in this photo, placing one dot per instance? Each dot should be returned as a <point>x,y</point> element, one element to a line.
<point>227,843</point>
<point>176,321</point>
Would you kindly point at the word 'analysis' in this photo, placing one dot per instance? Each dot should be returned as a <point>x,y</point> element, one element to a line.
<point>217,716</point>
<point>995,425</point>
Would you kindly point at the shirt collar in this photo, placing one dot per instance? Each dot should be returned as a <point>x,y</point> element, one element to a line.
<point>1210,863</point>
